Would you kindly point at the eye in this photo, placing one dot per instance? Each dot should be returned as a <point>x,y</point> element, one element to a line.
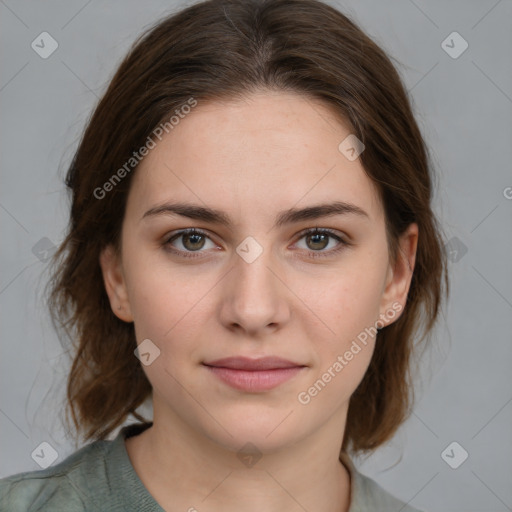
<point>191,240</point>
<point>316,240</point>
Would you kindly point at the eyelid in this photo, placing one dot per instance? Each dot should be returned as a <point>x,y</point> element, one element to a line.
<point>187,231</point>
<point>332,232</point>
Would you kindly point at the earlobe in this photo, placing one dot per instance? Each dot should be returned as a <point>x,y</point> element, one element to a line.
<point>399,275</point>
<point>115,284</point>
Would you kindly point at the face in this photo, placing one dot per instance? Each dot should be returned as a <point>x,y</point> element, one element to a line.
<point>250,267</point>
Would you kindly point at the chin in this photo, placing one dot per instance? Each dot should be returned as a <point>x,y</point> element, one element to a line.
<point>267,432</point>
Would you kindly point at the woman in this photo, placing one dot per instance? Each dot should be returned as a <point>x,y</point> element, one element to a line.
<point>251,248</point>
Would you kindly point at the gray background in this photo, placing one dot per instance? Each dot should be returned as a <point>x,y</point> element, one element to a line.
<point>463,106</point>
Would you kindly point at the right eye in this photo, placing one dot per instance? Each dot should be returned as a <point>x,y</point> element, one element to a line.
<point>191,240</point>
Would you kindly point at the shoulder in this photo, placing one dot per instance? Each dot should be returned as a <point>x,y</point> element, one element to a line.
<point>375,498</point>
<point>368,496</point>
<point>69,486</point>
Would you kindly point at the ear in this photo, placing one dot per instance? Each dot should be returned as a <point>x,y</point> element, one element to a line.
<point>399,276</point>
<point>115,284</point>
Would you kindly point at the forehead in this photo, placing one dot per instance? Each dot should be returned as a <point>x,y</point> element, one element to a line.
<point>254,156</point>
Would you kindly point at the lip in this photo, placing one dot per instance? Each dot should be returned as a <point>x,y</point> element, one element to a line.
<point>254,375</point>
<point>246,363</point>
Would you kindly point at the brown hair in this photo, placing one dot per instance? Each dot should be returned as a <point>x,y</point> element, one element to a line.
<point>227,49</point>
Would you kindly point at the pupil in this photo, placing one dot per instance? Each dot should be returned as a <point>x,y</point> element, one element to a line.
<point>193,236</point>
<point>316,240</point>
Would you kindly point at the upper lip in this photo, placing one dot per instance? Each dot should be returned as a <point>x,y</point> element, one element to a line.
<point>245,363</point>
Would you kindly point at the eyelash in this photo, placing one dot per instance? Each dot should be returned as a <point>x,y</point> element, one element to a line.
<point>311,231</point>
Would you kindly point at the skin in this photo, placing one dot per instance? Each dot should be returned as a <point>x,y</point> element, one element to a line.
<point>252,159</point>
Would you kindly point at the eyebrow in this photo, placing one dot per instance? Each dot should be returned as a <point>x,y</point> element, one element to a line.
<point>289,216</point>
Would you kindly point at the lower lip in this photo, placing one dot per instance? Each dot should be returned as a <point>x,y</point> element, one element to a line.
<point>254,381</point>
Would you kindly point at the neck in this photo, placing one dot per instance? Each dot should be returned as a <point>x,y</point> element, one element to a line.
<point>184,470</point>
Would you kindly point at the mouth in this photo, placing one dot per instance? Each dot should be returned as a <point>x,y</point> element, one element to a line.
<point>245,363</point>
<point>254,375</point>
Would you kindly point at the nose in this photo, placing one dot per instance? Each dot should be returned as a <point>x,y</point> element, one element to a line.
<point>255,298</point>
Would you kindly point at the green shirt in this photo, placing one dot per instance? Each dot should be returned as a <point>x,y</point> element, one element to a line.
<point>100,477</point>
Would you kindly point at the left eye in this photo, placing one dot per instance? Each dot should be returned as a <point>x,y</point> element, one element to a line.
<point>319,239</point>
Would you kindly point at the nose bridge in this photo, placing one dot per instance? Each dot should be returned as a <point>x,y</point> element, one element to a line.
<point>252,276</point>
<point>255,296</point>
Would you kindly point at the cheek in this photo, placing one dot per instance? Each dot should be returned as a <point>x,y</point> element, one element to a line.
<point>165,311</point>
<point>349,305</point>
<point>352,318</point>
<point>351,300</point>
<point>166,303</point>
<point>154,305</point>
<point>342,356</point>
